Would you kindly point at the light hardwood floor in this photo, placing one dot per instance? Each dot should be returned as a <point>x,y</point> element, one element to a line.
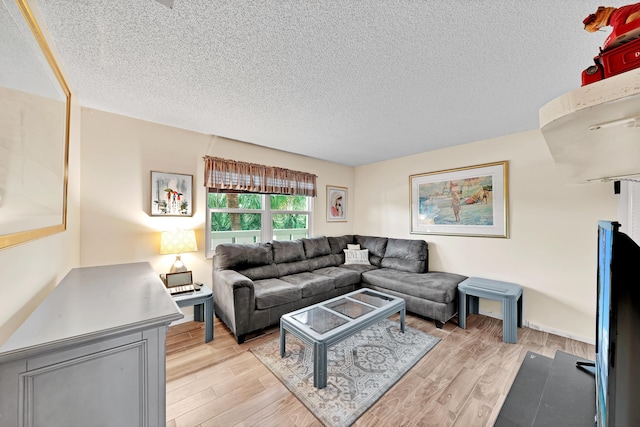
<point>463,381</point>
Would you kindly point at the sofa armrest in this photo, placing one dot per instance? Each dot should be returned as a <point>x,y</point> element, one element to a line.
<point>234,299</point>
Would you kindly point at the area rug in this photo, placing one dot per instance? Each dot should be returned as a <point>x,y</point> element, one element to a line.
<point>360,369</point>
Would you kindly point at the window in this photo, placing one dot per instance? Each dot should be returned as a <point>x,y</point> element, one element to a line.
<point>252,203</point>
<point>254,218</point>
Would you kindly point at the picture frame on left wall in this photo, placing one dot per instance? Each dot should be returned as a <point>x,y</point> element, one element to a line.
<point>336,204</point>
<point>171,194</point>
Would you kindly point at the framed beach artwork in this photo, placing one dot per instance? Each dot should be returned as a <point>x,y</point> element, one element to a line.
<point>468,201</point>
<point>336,203</point>
<point>171,194</point>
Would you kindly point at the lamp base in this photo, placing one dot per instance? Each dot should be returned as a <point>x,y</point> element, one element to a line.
<point>178,266</point>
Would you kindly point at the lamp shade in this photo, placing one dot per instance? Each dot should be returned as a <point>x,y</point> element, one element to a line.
<point>178,242</point>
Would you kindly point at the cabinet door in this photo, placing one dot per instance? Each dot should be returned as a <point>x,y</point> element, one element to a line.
<point>105,388</point>
<point>9,373</point>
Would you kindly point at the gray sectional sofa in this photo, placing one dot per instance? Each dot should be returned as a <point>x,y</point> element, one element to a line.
<point>255,284</point>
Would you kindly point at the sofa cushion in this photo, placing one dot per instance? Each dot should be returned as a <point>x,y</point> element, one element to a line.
<point>232,256</point>
<point>274,292</point>
<point>376,246</point>
<point>434,286</point>
<point>322,261</point>
<point>356,257</point>
<point>310,284</point>
<point>260,272</point>
<point>339,243</point>
<point>287,250</point>
<point>406,255</point>
<point>360,268</point>
<point>341,276</point>
<point>286,268</point>
<point>316,246</point>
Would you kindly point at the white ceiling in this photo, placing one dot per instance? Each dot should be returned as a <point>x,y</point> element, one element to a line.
<point>349,81</point>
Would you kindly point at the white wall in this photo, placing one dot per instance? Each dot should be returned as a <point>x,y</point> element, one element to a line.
<point>118,154</point>
<point>551,249</point>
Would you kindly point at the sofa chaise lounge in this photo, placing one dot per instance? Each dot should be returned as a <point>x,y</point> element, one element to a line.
<point>255,284</point>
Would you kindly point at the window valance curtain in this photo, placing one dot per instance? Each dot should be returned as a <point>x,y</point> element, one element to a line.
<point>231,175</point>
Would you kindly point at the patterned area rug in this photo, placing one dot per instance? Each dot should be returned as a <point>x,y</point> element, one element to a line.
<point>360,369</point>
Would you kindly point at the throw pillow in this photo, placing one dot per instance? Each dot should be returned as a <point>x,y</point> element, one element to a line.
<point>356,257</point>
<point>353,247</point>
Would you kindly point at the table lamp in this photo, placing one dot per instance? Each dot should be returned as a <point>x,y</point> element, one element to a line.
<point>178,242</point>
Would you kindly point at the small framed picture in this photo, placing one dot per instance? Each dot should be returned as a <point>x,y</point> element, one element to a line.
<point>171,194</point>
<point>336,203</point>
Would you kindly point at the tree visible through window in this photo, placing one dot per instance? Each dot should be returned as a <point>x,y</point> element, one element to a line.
<point>254,218</point>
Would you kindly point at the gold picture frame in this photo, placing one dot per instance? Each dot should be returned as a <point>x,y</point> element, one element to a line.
<point>467,201</point>
<point>35,104</point>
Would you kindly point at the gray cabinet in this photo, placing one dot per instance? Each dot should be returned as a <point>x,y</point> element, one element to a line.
<point>92,354</point>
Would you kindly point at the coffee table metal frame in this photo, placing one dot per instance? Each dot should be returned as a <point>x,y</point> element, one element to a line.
<point>320,342</point>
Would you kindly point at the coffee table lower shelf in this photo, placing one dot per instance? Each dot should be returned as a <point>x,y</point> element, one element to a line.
<point>321,341</point>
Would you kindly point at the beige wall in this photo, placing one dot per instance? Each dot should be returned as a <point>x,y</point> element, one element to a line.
<point>118,154</point>
<point>551,250</point>
<point>31,270</point>
<point>28,272</point>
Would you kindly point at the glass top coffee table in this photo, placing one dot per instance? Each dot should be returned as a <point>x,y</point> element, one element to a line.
<point>324,324</point>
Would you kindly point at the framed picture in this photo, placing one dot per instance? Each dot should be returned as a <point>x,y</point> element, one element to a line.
<point>171,194</point>
<point>34,135</point>
<point>469,201</point>
<point>336,203</point>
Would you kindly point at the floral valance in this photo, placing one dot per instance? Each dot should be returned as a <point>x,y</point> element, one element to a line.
<point>231,175</point>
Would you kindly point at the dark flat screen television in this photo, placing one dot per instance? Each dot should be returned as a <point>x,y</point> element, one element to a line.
<point>617,328</point>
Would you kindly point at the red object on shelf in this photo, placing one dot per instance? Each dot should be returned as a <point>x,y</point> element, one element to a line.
<point>613,61</point>
<point>620,59</point>
<point>620,51</point>
<point>622,32</point>
<point>593,73</point>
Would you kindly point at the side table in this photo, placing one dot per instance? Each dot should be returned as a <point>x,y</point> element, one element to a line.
<point>509,294</point>
<point>202,302</point>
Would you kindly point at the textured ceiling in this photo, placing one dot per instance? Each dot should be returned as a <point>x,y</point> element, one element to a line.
<point>353,82</point>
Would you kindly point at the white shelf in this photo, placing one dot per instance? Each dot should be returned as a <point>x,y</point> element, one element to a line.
<point>584,155</point>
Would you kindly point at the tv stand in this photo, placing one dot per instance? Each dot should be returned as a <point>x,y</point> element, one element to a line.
<point>550,392</point>
<point>589,367</point>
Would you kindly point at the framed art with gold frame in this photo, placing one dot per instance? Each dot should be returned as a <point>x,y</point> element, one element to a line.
<point>35,107</point>
<point>467,201</point>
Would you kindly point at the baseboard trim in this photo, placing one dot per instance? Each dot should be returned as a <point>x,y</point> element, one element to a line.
<point>542,328</point>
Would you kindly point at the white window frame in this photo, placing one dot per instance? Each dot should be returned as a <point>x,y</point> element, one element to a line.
<point>266,223</point>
